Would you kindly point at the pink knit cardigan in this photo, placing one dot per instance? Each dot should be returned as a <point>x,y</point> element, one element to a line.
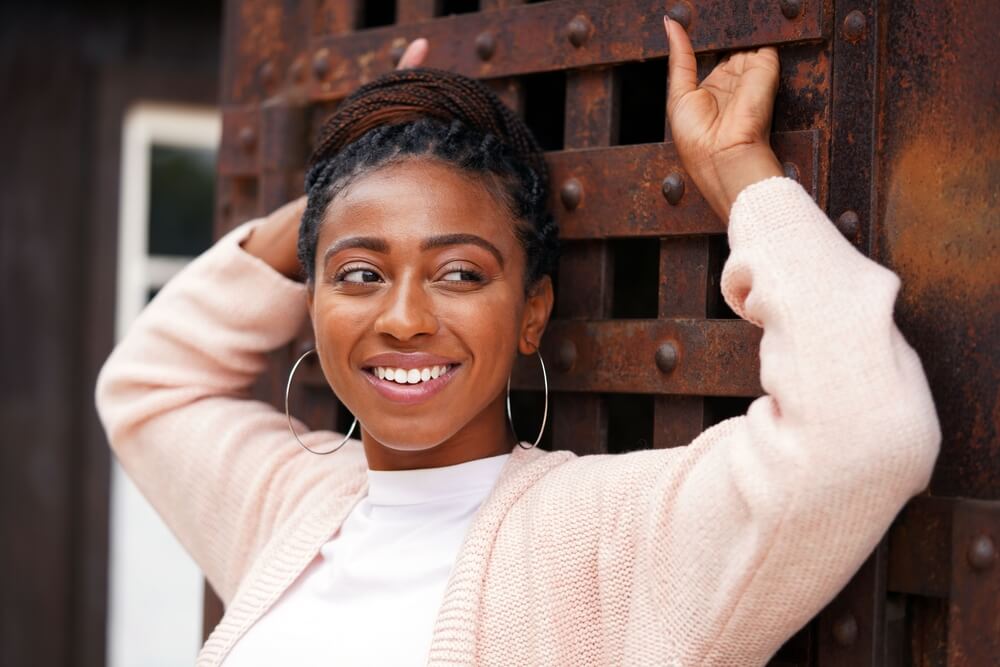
<point>710,554</point>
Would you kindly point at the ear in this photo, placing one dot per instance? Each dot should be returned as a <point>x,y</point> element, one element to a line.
<point>537,310</point>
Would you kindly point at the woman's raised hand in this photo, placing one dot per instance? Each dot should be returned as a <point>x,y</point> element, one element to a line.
<point>721,127</point>
<point>276,239</point>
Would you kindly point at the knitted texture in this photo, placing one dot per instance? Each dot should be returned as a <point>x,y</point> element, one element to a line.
<point>710,554</point>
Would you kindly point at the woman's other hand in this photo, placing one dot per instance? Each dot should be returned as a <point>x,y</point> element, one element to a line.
<point>276,239</point>
<point>721,127</point>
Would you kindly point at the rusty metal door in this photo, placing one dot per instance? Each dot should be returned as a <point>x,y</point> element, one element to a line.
<point>886,113</point>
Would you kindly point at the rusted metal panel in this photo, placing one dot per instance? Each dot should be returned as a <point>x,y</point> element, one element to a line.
<point>710,357</point>
<point>537,38</point>
<point>642,190</point>
<point>938,184</point>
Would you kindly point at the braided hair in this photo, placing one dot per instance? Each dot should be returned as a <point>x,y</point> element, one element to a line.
<point>440,115</point>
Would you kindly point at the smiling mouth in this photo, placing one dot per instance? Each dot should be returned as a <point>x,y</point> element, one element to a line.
<point>412,375</point>
<point>410,385</point>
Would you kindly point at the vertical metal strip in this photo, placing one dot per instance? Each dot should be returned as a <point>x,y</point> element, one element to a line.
<point>852,628</point>
<point>586,270</point>
<point>683,292</point>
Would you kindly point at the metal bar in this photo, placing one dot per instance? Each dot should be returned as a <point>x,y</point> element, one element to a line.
<point>974,609</point>
<point>556,35</point>
<point>624,190</point>
<point>920,546</point>
<point>586,270</point>
<point>711,357</point>
<point>683,292</point>
<point>855,67</point>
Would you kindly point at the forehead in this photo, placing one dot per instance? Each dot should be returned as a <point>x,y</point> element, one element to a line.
<point>415,199</point>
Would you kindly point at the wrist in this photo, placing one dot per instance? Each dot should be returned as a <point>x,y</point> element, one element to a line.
<point>740,169</point>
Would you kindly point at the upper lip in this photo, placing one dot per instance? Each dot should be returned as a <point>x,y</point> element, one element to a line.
<point>406,360</point>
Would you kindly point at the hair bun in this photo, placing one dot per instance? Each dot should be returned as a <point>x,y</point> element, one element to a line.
<point>406,95</point>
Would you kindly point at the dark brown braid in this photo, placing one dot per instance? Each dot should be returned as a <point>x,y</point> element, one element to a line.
<point>440,114</point>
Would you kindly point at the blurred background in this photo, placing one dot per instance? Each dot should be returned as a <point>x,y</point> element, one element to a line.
<point>109,124</point>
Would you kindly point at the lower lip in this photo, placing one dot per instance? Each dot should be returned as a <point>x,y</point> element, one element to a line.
<point>410,393</point>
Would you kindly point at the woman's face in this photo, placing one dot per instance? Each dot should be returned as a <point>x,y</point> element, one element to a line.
<point>419,310</point>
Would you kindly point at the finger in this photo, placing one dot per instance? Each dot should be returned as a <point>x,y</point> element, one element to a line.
<point>414,55</point>
<point>682,76</point>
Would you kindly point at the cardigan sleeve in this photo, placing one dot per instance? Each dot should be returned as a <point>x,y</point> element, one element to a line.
<point>755,526</point>
<point>220,468</point>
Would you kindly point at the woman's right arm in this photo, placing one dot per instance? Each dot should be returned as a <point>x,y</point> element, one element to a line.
<point>174,397</point>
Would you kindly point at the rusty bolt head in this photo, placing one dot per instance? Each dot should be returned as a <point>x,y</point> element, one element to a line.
<point>666,357</point>
<point>566,356</point>
<point>854,25</point>
<point>673,188</point>
<point>791,8</point>
<point>571,193</point>
<point>849,224</point>
<point>578,30</point>
<point>681,12</point>
<point>247,138</point>
<point>321,63</point>
<point>845,630</point>
<point>297,71</point>
<point>486,44</point>
<point>791,170</point>
<point>267,75</point>
<point>982,553</point>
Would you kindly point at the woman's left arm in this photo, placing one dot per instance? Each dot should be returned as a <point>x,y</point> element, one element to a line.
<point>763,518</point>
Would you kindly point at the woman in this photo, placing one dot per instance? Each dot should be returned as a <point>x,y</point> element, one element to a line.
<point>427,250</point>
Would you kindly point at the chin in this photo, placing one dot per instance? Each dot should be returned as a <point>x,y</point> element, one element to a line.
<point>407,438</point>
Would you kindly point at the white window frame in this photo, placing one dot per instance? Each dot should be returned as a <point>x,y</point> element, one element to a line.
<point>155,590</point>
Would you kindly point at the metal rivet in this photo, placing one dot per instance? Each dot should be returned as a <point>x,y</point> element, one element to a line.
<point>673,188</point>
<point>845,630</point>
<point>854,25</point>
<point>321,63</point>
<point>566,356</point>
<point>571,193</point>
<point>982,553</point>
<point>791,170</point>
<point>247,138</point>
<point>396,53</point>
<point>297,71</point>
<point>791,8</point>
<point>666,357</point>
<point>267,75</point>
<point>681,12</point>
<point>578,30</point>
<point>486,44</point>
<point>849,223</point>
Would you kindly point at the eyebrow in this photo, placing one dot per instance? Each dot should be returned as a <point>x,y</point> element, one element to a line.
<point>376,244</point>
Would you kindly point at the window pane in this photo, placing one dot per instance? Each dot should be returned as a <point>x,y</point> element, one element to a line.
<point>181,192</point>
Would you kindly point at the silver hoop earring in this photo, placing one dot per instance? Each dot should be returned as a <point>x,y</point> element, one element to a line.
<point>288,388</point>
<point>545,411</point>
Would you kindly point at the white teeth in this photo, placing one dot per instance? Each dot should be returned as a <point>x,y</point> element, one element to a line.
<point>409,376</point>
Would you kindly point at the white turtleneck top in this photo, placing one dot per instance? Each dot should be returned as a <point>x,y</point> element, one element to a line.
<point>372,594</point>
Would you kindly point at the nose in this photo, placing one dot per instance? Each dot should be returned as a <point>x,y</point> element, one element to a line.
<point>408,311</point>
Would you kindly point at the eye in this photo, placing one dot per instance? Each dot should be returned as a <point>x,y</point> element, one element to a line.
<point>358,275</point>
<point>462,275</point>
